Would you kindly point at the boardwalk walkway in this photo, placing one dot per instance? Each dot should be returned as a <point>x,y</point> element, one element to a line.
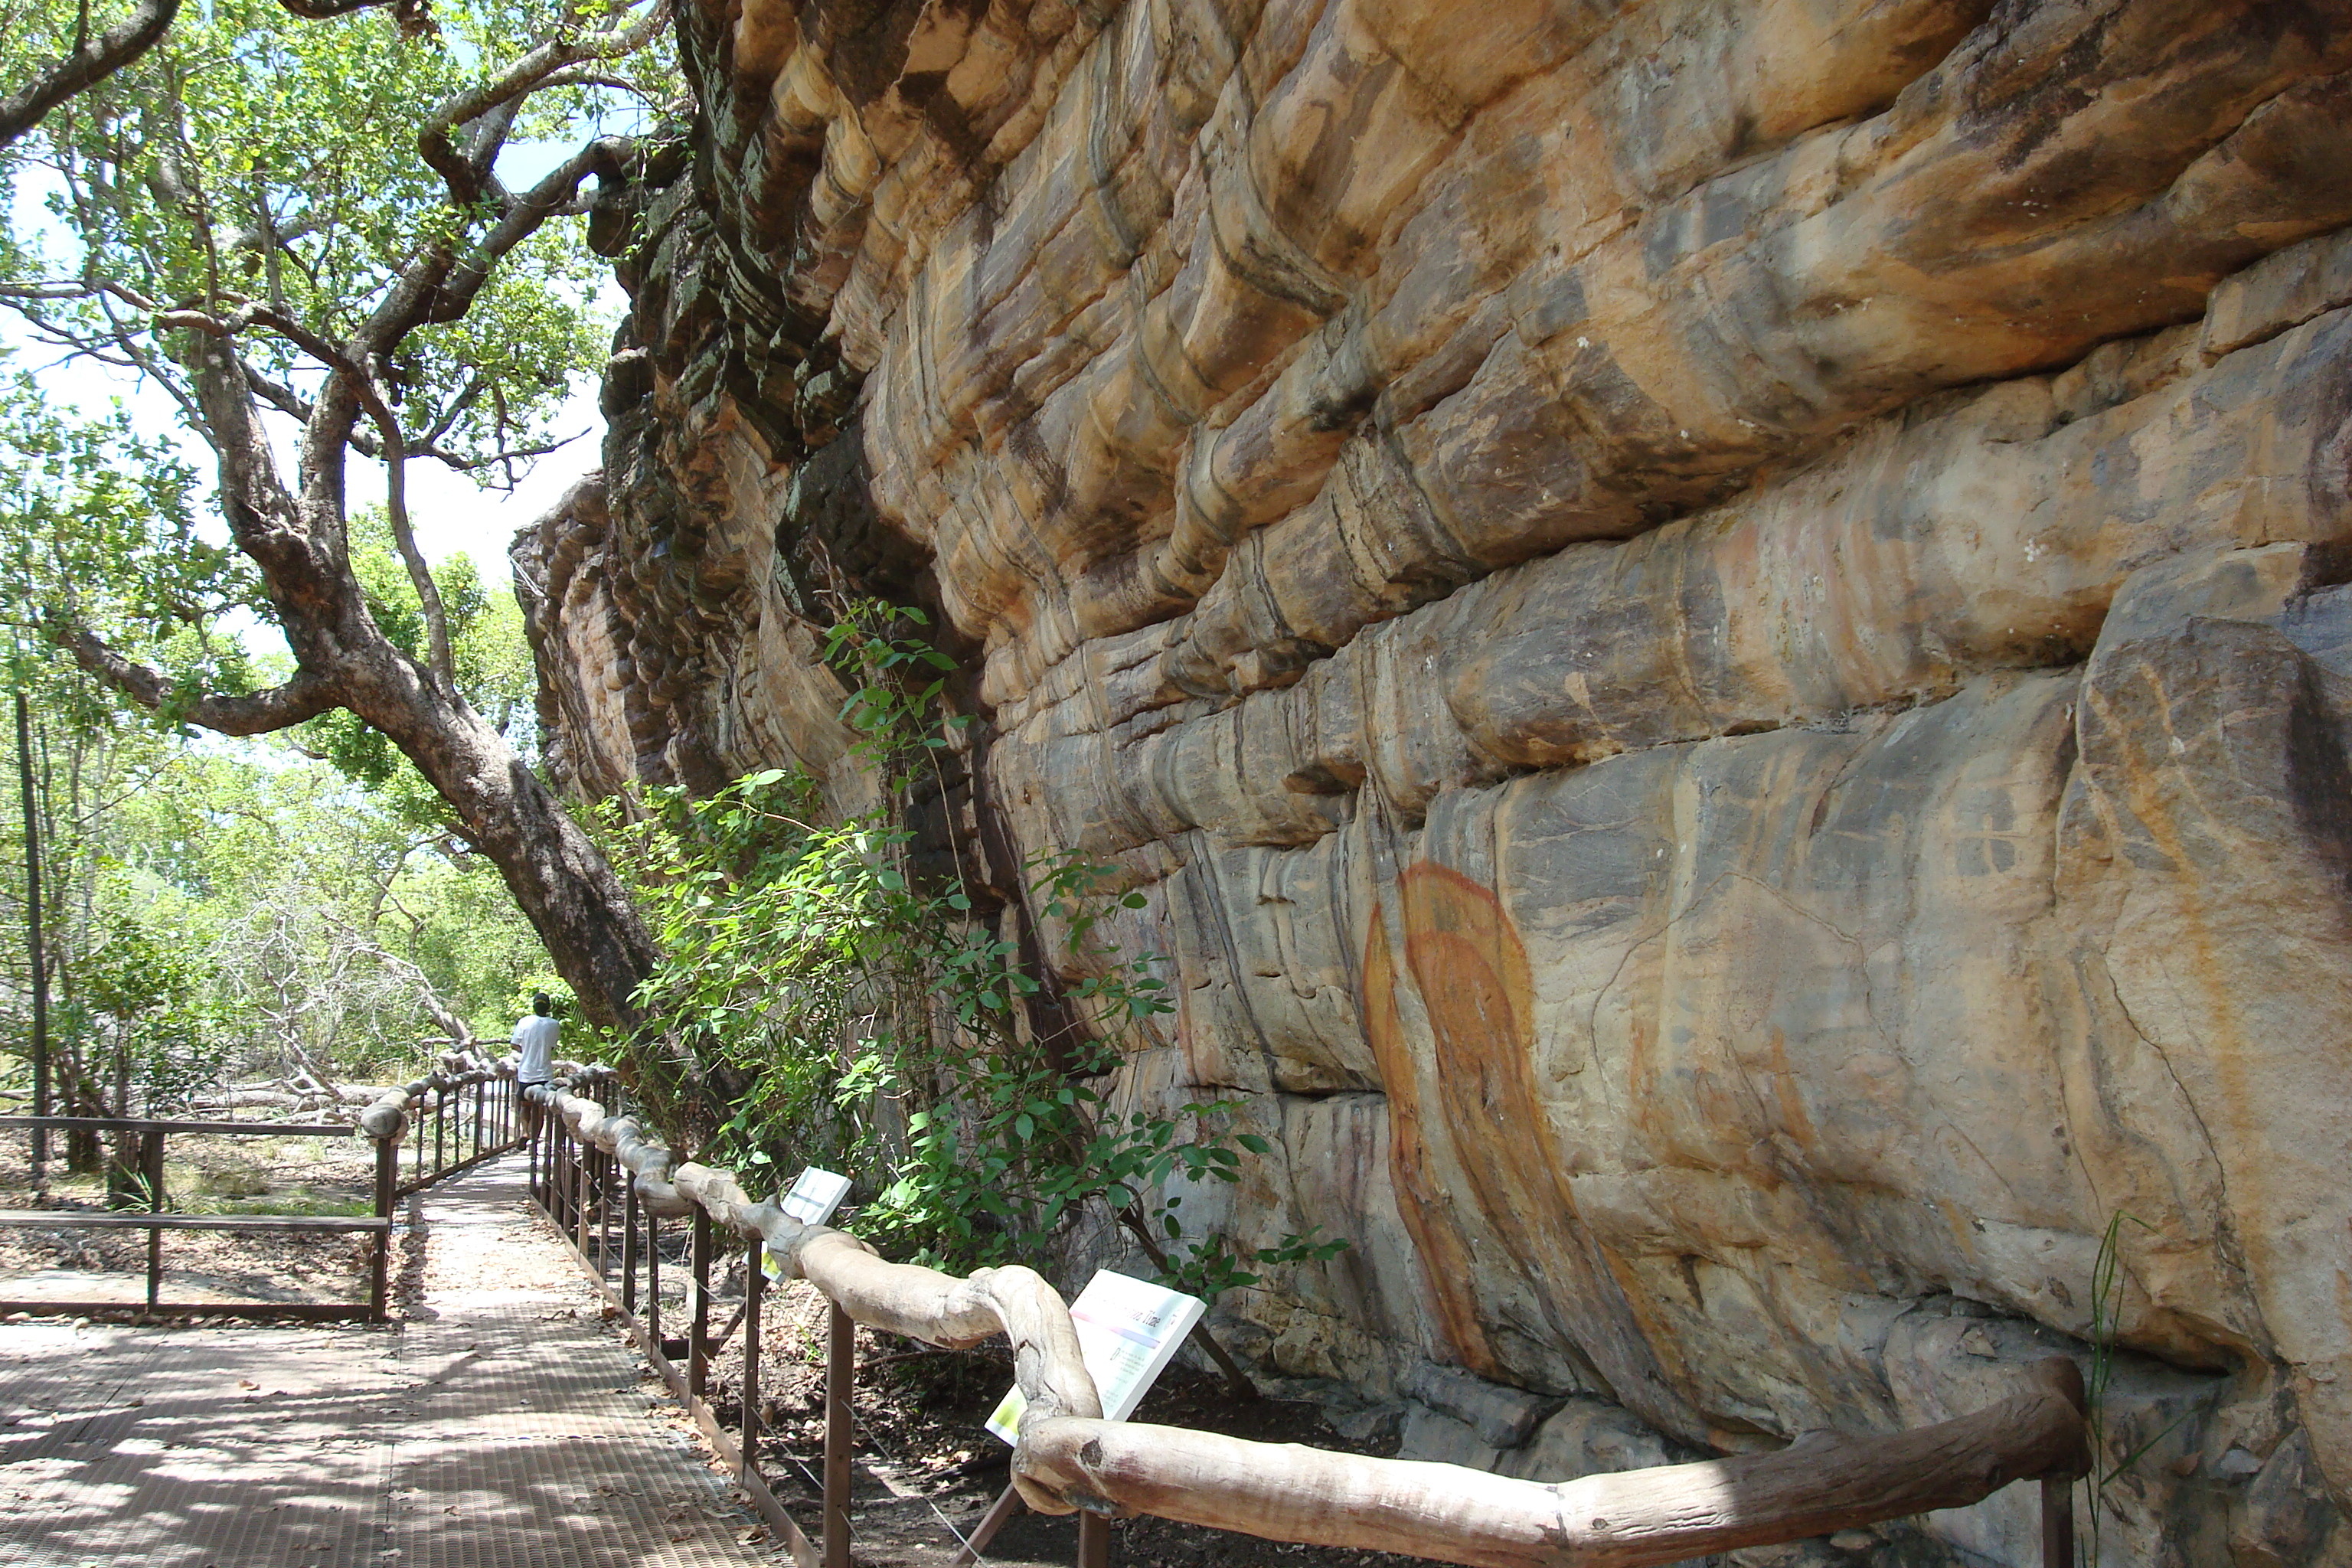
<point>500,1425</point>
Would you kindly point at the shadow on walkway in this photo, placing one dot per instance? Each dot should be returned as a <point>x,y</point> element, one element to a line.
<point>499,1426</point>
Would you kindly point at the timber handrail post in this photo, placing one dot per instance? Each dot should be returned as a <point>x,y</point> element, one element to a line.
<point>755,1281</point>
<point>151,1167</point>
<point>387,1180</point>
<point>697,1355</point>
<point>605,1168</point>
<point>653,1274</point>
<point>1094,1539</point>
<point>840,1377</point>
<point>600,1207</point>
<point>583,1166</point>
<point>2058,1486</point>
<point>629,1246</point>
<point>2057,1522</point>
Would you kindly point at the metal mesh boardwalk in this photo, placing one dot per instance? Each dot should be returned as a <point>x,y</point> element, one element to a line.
<point>499,1426</point>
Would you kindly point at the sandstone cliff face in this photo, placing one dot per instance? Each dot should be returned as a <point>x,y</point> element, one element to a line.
<point>1715,629</point>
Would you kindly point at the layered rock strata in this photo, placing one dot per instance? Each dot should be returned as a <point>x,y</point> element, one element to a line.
<point>1716,633</point>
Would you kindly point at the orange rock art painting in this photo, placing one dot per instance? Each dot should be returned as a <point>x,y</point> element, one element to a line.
<point>1470,1132</point>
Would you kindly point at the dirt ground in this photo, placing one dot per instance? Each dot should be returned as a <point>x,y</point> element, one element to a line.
<point>302,1175</point>
<point>927,1463</point>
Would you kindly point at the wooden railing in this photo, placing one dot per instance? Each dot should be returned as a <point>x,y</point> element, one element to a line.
<point>463,1112</point>
<point>155,1219</point>
<point>1070,1460</point>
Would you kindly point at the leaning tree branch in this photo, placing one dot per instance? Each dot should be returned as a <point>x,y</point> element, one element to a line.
<point>491,106</point>
<point>414,16</point>
<point>261,511</point>
<point>395,452</point>
<point>550,198</point>
<point>141,356</point>
<point>40,288</point>
<point>536,65</point>
<point>92,62</point>
<point>437,1007</point>
<point>306,696</point>
<point>300,409</point>
<point>435,288</point>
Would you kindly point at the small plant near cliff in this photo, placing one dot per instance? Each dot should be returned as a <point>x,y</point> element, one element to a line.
<point>2106,1314</point>
<point>855,1011</point>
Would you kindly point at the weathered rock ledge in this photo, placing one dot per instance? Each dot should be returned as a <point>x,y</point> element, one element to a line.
<point>1717,631</point>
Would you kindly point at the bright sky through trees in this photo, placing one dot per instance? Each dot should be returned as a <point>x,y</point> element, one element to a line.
<point>452,513</point>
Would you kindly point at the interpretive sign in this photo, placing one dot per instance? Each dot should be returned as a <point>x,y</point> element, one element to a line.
<point>814,1196</point>
<point>1128,1330</point>
<point>811,1200</point>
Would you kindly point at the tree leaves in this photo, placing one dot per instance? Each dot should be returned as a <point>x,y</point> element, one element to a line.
<point>98,528</point>
<point>253,157</point>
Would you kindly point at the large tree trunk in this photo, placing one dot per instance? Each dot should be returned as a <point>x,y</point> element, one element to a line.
<point>558,877</point>
<point>295,533</point>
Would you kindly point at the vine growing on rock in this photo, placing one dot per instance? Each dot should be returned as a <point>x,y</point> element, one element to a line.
<point>857,1012</point>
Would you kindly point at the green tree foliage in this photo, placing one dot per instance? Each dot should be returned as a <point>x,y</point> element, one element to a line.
<point>330,234</point>
<point>258,161</point>
<point>331,930</point>
<point>224,913</point>
<point>98,527</point>
<point>217,909</point>
<point>254,158</point>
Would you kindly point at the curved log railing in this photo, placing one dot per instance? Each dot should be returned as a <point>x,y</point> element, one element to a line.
<point>464,1112</point>
<point>467,1099</point>
<point>1068,1459</point>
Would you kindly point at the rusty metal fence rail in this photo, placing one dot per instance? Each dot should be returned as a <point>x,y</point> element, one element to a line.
<point>465,1111</point>
<point>157,1220</point>
<point>593,1171</point>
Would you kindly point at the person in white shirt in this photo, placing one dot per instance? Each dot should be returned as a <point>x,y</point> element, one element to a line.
<point>535,1038</point>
